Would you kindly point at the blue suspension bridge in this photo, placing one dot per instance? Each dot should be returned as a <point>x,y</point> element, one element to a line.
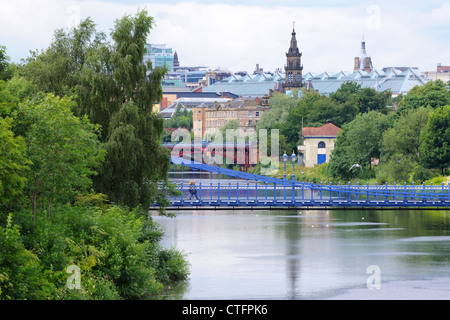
<point>236,189</point>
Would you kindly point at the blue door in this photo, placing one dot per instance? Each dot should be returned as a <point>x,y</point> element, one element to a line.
<point>321,158</point>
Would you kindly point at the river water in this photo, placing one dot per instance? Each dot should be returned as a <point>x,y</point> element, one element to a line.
<point>314,254</point>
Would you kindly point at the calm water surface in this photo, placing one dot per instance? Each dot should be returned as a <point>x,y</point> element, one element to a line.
<point>313,254</point>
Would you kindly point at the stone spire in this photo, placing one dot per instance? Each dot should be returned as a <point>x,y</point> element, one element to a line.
<point>176,62</point>
<point>293,49</point>
<point>294,66</point>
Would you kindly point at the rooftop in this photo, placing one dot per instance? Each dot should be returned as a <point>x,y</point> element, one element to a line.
<point>328,130</point>
<point>398,81</point>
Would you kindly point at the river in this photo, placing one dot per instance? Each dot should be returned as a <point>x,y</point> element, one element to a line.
<point>314,254</point>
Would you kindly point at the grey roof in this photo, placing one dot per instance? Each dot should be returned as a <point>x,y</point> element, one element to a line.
<point>247,85</point>
<point>397,81</point>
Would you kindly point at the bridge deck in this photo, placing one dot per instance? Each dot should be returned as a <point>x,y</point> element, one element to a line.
<point>251,190</point>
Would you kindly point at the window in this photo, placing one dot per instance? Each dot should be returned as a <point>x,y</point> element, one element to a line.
<point>257,113</point>
<point>321,145</point>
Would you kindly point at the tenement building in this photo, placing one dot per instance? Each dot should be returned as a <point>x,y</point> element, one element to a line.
<point>209,119</point>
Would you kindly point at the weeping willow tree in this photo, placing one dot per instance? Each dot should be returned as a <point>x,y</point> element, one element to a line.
<point>116,89</point>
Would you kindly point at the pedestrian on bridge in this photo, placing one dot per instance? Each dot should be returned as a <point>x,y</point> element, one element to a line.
<point>192,190</point>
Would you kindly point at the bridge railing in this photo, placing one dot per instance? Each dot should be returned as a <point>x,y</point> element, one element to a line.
<point>255,189</point>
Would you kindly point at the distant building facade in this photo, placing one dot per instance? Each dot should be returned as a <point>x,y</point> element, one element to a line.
<point>190,104</point>
<point>160,56</point>
<point>247,112</point>
<point>442,73</point>
<point>318,143</point>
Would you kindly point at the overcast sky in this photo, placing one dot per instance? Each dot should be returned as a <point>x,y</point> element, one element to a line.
<point>238,34</point>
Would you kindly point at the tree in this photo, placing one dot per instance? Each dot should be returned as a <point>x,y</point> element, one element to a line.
<point>280,106</point>
<point>114,88</point>
<point>358,143</point>
<point>433,94</point>
<point>371,100</point>
<point>60,68</point>
<point>345,91</point>
<point>20,271</point>
<point>13,163</point>
<point>5,68</point>
<point>180,119</point>
<point>435,150</point>
<point>400,155</point>
<point>63,149</point>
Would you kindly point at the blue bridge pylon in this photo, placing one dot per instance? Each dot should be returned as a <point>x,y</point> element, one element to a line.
<point>236,189</point>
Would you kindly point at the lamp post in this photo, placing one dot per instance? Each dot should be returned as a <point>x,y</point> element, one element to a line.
<point>284,175</point>
<point>293,161</point>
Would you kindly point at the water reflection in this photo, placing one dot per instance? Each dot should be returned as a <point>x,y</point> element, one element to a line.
<point>311,254</point>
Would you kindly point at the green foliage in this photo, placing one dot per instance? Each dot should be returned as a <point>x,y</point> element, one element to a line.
<point>13,163</point>
<point>280,106</point>
<point>365,99</point>
<point>232,125</point>
<point>111,86</point>
<point>357,144</point>
<point>180,119</point>
<point>6,71</point>
<point>64,150</point>
<point>49,152</point>
<point>173,266</point>
<point>13,92</point>
<point>117,251</point>
<point>21,275</point>
<point>433,94</point>
<point>400,156</point>
<point>435,149</point>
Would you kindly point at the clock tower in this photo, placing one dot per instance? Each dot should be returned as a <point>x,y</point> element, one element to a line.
<point>294,66</point>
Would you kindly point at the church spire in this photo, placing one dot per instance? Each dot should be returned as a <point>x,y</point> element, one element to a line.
<point>293,49</point>
<point>293,67</point>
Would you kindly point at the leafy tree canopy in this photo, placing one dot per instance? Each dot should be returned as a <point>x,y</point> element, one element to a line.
<point>435,149</point>
<point>433,94</point>
<point>115,89</point>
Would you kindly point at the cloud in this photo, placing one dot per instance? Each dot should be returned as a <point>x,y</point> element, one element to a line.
<point>238,36</point>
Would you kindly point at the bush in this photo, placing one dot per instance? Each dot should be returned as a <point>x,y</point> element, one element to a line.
<point>172,266</point>
<point>21,276</point>
<point>117,251</point>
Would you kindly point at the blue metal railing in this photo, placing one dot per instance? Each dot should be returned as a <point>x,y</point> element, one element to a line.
<point>255,190</point>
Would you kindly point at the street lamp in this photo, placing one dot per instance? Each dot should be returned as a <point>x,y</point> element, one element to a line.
<point>293,161</point>
<point>284,160</point>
